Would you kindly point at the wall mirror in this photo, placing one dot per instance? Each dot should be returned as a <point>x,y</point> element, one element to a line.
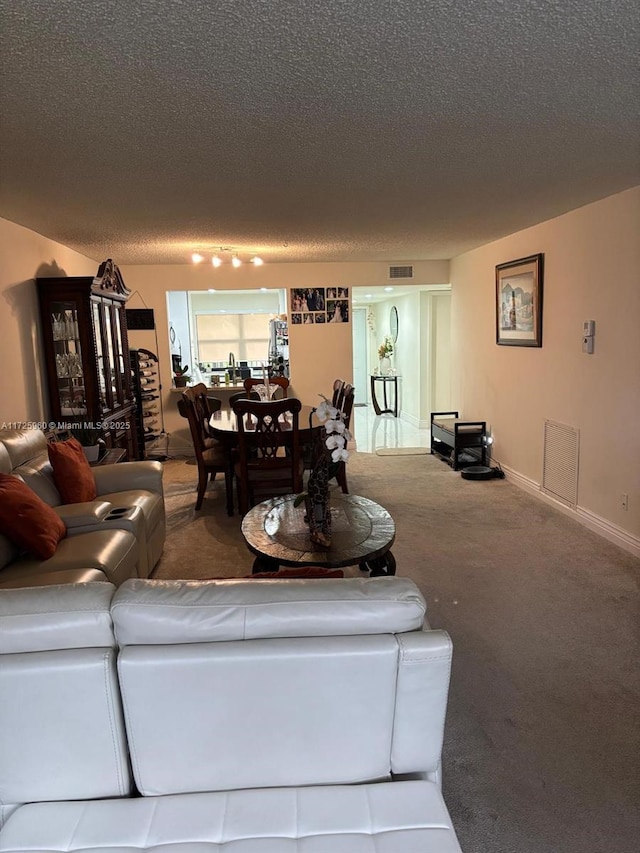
<point>393,323</point>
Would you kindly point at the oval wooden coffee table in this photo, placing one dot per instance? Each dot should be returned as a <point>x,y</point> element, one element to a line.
<point>362,532</point>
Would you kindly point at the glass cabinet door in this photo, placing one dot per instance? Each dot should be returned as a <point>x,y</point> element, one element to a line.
<point>111,358</point>
<point>68,358</point>
<point>124,382</point>
<point>101,366</point>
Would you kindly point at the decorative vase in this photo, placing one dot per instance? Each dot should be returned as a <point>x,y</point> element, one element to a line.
<point>318,510</point>
<point>92,452</point>
<point>385,366</point>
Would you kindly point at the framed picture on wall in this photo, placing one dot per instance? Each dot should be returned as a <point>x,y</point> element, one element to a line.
<point>519,302</point>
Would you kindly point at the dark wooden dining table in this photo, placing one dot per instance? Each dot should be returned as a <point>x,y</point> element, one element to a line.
<point>223,426</point>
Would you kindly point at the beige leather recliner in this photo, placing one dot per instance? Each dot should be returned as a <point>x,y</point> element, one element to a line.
<point>120,535</point>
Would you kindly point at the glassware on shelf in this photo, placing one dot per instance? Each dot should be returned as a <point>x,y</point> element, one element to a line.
<point>57,327</point>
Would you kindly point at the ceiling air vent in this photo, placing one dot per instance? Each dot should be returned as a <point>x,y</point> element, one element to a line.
<point>401,272</point>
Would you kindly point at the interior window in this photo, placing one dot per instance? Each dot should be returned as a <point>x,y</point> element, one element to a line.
<point>245,335</point>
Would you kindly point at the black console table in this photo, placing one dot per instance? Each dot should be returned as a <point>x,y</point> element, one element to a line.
<point>386,408</point>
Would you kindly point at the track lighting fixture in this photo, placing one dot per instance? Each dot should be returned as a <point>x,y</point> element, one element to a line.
<point>224,254</point>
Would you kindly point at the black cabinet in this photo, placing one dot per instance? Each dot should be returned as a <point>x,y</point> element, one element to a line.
<point>87,355</point>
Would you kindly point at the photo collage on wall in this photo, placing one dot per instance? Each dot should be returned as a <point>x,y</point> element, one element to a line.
<point>313,305</point>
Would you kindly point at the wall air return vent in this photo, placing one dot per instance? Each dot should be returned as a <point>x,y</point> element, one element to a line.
<point>560,464</point>
<point>401,272</point>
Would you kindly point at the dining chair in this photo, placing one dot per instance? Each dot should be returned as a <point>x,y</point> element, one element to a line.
<point>204,406</point>
<point>269,461</point>
<point>210,456</point>
<point>243,395</point>
<point>281,381</point>
<point>338,392</point>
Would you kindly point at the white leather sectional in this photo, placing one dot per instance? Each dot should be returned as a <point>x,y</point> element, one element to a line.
<point>300,716</point>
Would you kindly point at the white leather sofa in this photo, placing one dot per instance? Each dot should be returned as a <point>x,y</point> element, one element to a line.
<point>119,535</point>
<point>301,716</point>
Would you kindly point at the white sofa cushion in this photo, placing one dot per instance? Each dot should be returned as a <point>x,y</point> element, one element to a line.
<point>61,727</point>
<point>246,714</point>
<point>159,612</point>
<point>395,817</point>
<point>61,735</point>
<point>65,616</point>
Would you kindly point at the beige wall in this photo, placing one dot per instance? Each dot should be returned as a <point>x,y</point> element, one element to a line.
<point>592,264</point>
<point>23,256</point>
<point>434,368</point>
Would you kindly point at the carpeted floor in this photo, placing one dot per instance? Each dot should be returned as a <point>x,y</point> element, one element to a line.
<point>543,728</point>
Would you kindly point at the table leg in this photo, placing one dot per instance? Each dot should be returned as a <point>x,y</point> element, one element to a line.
<point>228,484</point>
<point>374,399</point>
<point>380,566</point>
<point>264,564</point>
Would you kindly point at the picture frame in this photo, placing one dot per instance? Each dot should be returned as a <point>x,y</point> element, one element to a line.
<point>519,288</point>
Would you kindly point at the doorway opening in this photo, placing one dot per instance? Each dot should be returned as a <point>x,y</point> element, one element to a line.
<point>416,319</point>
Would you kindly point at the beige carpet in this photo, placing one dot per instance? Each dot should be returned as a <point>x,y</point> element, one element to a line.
<point>542,737</point>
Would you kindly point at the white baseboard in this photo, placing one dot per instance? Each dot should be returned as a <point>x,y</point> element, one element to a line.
<point>413,421</point>
<point>589,519</point>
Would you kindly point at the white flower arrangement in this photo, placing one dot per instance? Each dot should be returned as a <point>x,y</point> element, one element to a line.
<point>337,433</point>
<point>337,436</point>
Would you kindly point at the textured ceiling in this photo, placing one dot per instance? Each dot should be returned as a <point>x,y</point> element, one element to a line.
<point>308,130</point>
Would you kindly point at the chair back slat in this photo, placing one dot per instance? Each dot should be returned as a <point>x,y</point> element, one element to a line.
<point>338,392</point>
<point>346,403</point>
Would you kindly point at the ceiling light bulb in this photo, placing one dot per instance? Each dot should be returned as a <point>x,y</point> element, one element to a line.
<point>212,290</point>
<point>197,258</point>
<point>388,289</point>
<point>215,260</point>
<point>235,260</point>
<point>257,261</point>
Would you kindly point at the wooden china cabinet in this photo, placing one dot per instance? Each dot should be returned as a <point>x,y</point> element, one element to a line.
<point>87,355</point>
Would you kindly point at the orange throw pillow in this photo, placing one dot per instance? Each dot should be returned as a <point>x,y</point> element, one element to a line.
<point>72,473</point>
<point>27,520</point>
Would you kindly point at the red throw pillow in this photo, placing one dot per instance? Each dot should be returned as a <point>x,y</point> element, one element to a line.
<point>72,473</point>
<point>27,520</point>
